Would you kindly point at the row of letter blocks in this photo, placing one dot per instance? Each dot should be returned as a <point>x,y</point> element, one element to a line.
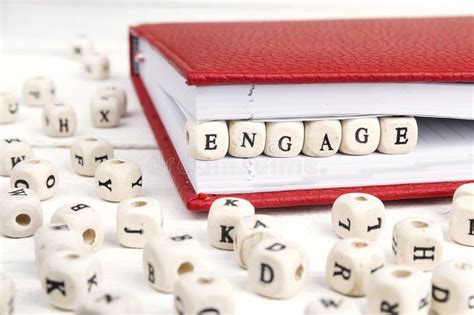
<point>246,139</point>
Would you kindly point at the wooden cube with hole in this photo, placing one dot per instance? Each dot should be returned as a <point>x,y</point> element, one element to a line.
<point>166,258</point>
<point>53,237</point>
<point>350,263</point>
<point>83,219</point>
<point>118,179</point>
<point>418,242</point>
<point>21,213</point>
<point>277,269</point>
<point>39,175</point>
<point>358,215</point>
<point>138,220</point>
<point>201,293</point>
<point>88,152</point>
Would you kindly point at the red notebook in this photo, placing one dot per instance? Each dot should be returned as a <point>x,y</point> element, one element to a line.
<point>377,50</point>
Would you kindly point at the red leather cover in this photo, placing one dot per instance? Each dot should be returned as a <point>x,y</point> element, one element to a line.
<point>370,50</point>
<point>202,202</point>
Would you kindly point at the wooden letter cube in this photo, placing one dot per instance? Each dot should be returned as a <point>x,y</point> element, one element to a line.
<point>461,220</point>
<point>119,93</point>
<point>81,47</point>
<point>59,120</point>
<point>105,112</point>
<point>398,135</point>
<point>96,66</point>
<point>224,214</point>
<point>250,231</point>
<point>117,180</point>
<point>358,215</point>
<point>138,220</point>
<point>207,140</point>
<point>199,293</point>
<point>322,137</point>
<point>83,219</point>
<point>277,269</point>
<point>70,276</point>
<point>39,91</point>
<point>165,259</point>
<point>8,108</point>
<point>246,138</point>
<point>284,139</point>
<point>327,303</point>
<point>54,237</point>
<point>360,136</point>
<point>398,290</point>
<point>88,152</point>
<point>7,295</point>
<point>109,303</point>
<point>418,242</point>
<point>452,290</point>
<point>350,264</point>
<point>464,190</point>
<point>21,213</point>
<point>38,175</point>
<point>12,152</point>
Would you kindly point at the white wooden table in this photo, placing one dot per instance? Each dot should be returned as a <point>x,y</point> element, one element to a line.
<point>133,140</point>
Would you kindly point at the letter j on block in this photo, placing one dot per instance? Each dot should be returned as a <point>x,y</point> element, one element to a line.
<point>207,140</point>
<point>224,215</point>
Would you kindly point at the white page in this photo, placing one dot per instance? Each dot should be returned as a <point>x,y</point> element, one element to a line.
<point>309,101</point>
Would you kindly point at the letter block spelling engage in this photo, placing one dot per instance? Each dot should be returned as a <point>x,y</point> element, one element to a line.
<point>358,215</point>
<point>207,140</point>
<point>284,139</point>
<point>224,215</point>
<point>322,137</point>
<point>398,135</point>
<point>277,269</point>
<point>418,242</point>
<point>12,152</point>
<point>246,138</point>
<point>199,293</point>
<point>165,259</point>
<point>360,136</point>
<point>38,175</point>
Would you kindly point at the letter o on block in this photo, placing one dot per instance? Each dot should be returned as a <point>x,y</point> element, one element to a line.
<point>277,269</point>
<point>224,215</point>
